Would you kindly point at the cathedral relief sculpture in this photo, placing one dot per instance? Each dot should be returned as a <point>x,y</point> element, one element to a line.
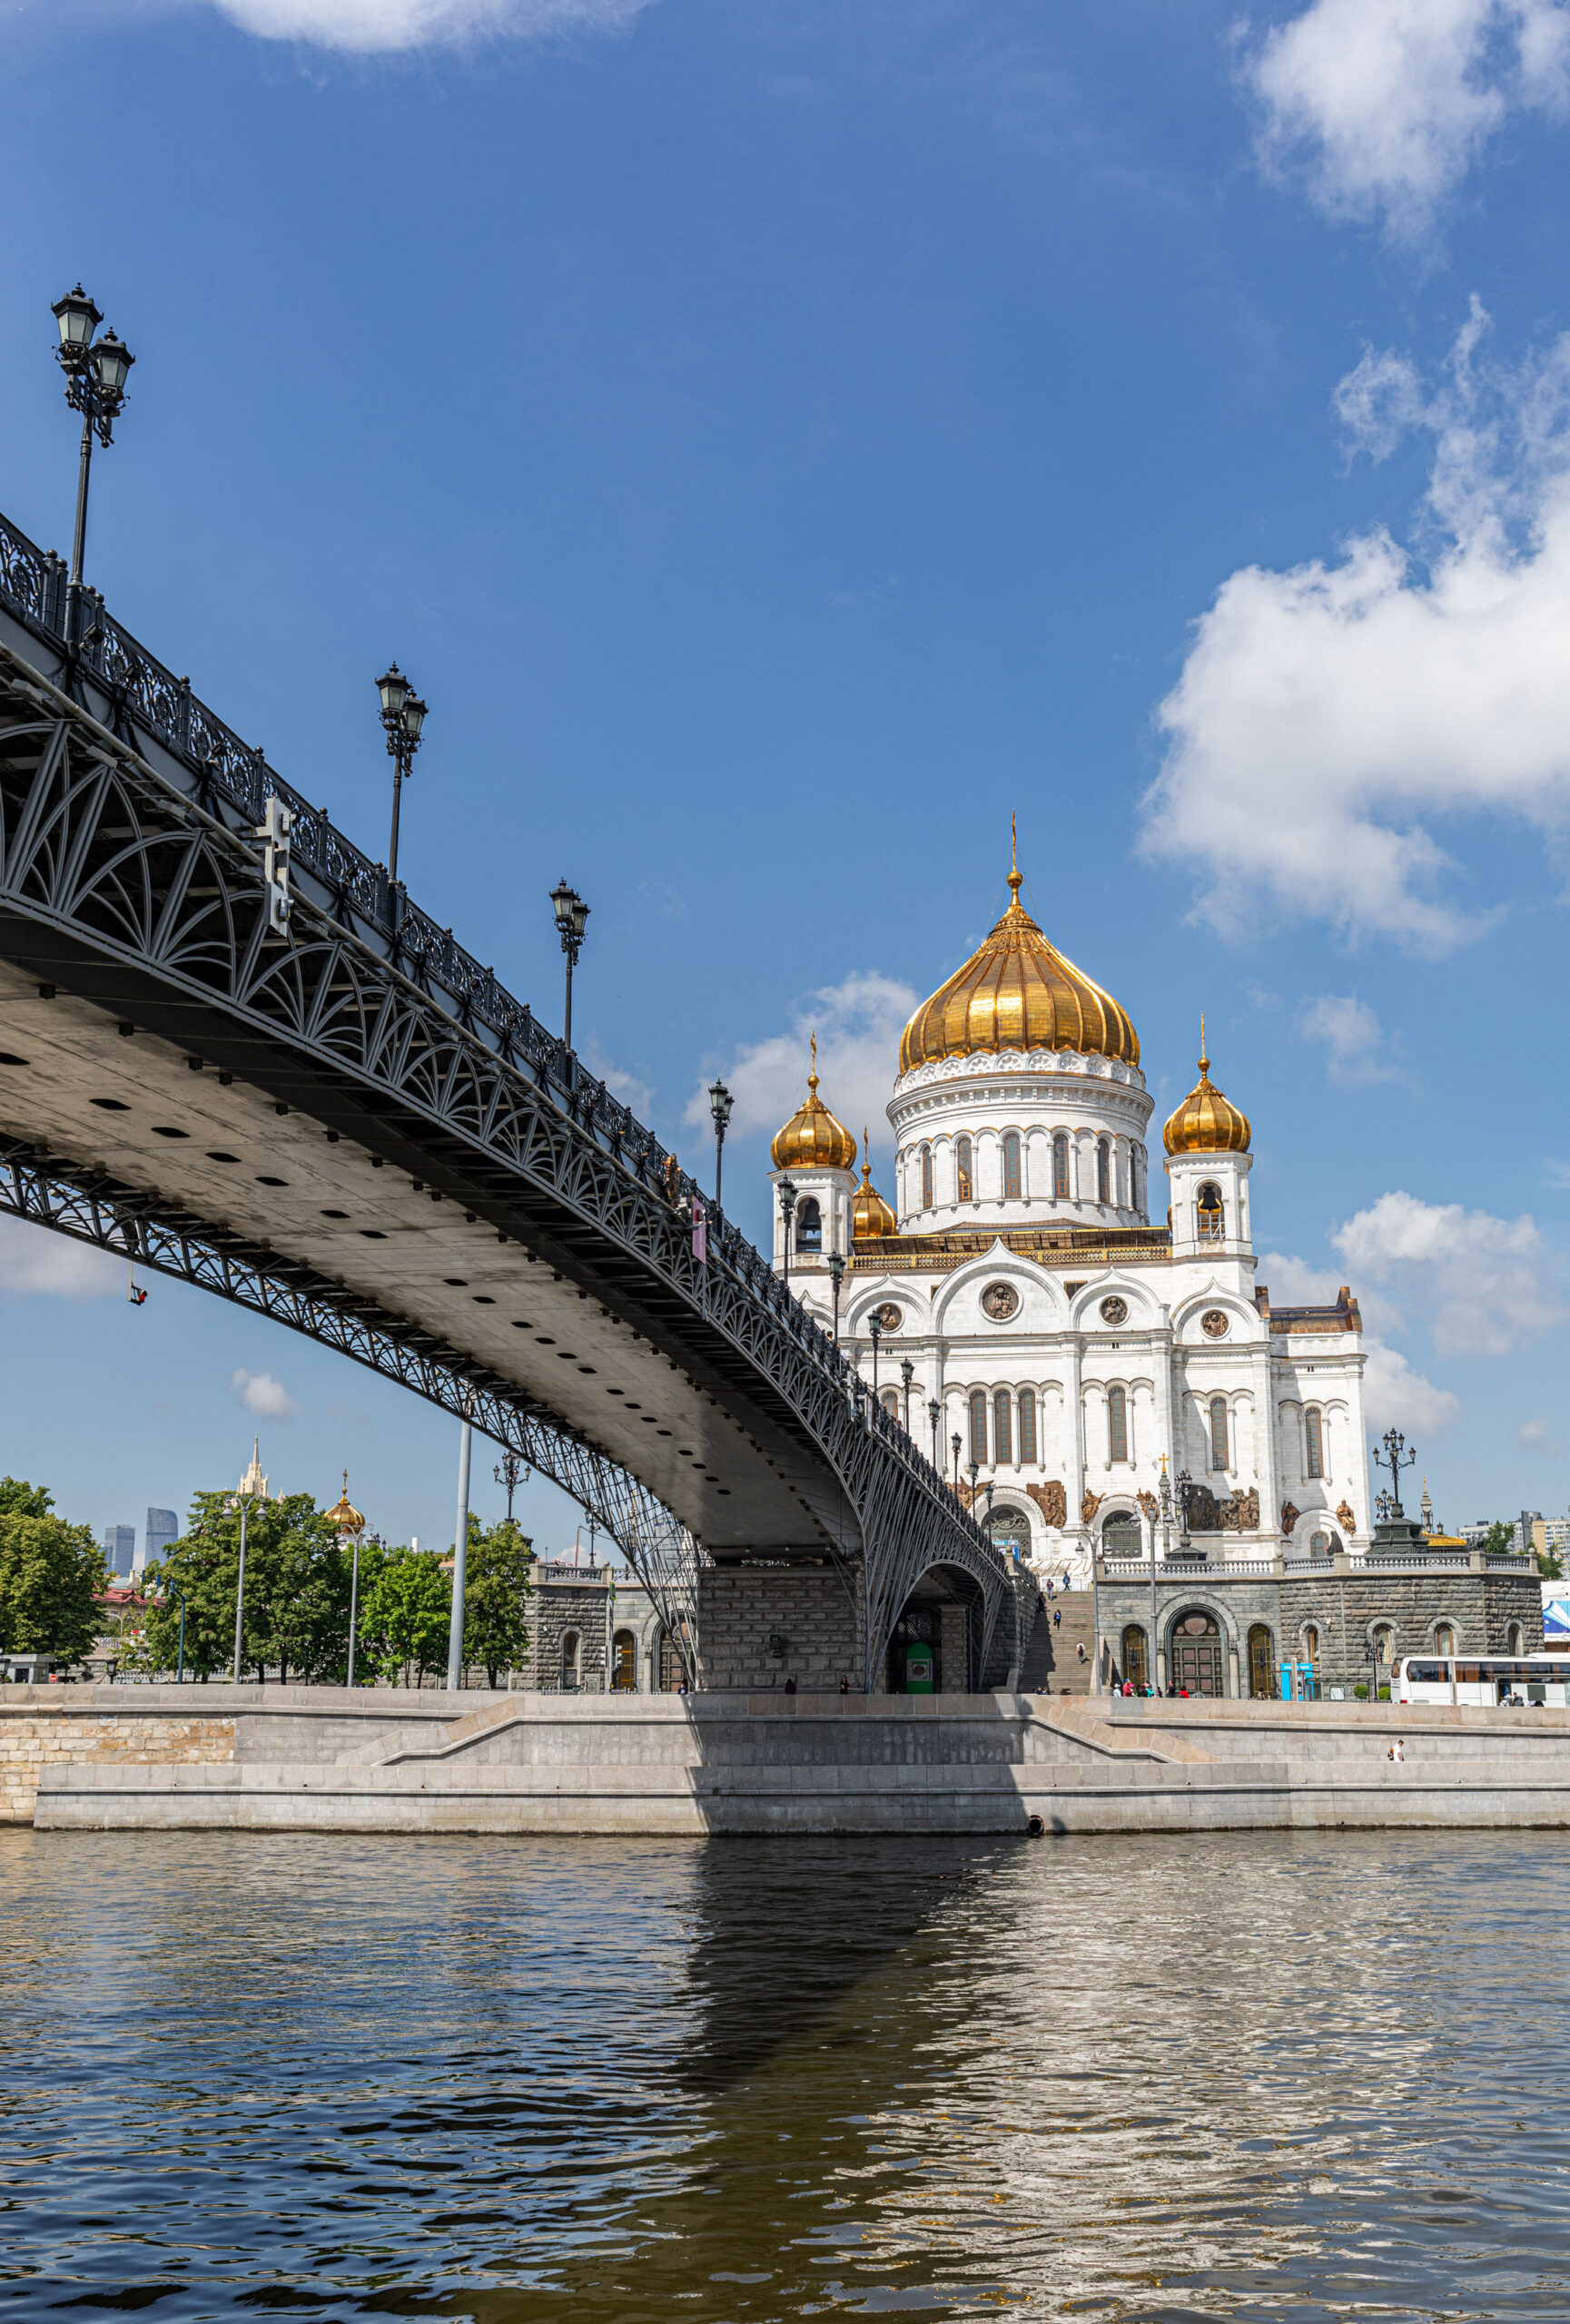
<point>1347,1517</point>
<point>1290,1513</point>
<point>1052,1500</point>
<point>889,1316</point>
<point>1000,1301</point>
<point>1089,1506</point>
<point>1150,1504</point>
<point>1115,1310</point>
<point>1215,1324</point>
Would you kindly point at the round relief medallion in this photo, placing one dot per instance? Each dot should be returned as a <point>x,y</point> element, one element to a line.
<point>1215,1324</point>
<point>1115,1310</point>
<point>889,1317</point>
<point>1000,1301</point>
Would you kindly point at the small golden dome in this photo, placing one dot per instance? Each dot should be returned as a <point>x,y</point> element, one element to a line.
<point>869,1213</point>
<point>1207,1122</point>
<point>1018,992</point>
<point>347,1518</point>
<point>813,1140</point>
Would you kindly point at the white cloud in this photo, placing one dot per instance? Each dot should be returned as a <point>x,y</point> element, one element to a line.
<point>264,1395</point>
<point>1351,1033</point>
<point>859,1023</point>
<point>34,1259</point>
<point>1394,1395</point>
<point>366,26</point>
<point>1328,715</point>
<point>1537,1436</point>
<point>1388,102</point>
<point>1485,1285</point>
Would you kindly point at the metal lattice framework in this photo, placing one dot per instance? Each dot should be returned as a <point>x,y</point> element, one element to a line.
<point>126,812</point>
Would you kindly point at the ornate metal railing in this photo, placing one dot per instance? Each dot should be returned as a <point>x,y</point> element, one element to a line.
<point>33,588</point>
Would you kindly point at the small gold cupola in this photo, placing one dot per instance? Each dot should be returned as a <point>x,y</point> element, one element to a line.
<point>1207,1122</point>
<point>871,1217</point>
<point>813,1140</point>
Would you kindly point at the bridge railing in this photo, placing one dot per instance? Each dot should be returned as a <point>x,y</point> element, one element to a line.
<point>35,589</point>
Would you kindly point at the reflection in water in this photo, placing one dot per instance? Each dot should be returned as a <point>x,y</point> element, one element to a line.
<point>1283,2077</point>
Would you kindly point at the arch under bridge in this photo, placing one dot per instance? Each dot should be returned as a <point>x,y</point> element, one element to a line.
<point>346,1123</point>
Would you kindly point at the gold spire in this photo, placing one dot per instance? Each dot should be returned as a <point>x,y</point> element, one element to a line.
<point>1018,991</point>
<point>813,1140</point>
<point>347,1518</point>
<point>871,1217</point>
<point>1207,1122</point>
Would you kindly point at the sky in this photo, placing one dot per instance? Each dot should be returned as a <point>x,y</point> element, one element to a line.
<point>784,441</point>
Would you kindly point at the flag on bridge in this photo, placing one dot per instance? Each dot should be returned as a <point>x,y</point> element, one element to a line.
<point>699,1230</point>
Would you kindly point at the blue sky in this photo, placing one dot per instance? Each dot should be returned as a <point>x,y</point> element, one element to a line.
<point>782,441</point>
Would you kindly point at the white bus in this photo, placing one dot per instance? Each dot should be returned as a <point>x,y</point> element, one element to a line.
<point>1484,1678</point>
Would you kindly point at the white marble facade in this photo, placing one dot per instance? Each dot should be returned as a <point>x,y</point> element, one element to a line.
<point>1071,1348</point>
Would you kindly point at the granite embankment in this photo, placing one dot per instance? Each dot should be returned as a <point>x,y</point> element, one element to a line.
<point>286,1759</point>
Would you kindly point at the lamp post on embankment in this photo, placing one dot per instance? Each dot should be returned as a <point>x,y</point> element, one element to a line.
<point>571,920</point>
<point>402,716</point>
<point>96,371</point>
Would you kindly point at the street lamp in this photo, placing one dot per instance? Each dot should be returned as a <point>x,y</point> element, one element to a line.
<point>1185,1483</point>
<point>907,1374</point>
<point>572,913</point>
<point>402,716</point>
<point>787,1203</point>
<point>720,1102</point>
<point>954,1441</point>
<point>836,1267</point>
<point>934,1414</point>
<point>975,1471</point>
<point>1164,1502</point>
<point>96,372</point>
<point>507,1472</point>
<point>875,1333</point>
<point>243,1498</point>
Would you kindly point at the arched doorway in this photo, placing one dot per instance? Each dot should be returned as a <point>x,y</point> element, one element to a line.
<point>1121,1537</point>
<point>916,1652</point>
<point>1011,1531</point>
<point>569,1662</point>
<point>1196,1664</point>
<point>624,1663</point>
<point>1136,1666</point>
<point>1264,1683</point>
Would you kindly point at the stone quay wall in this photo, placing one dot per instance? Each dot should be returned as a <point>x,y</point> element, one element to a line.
<point>740,1607</point>
<point>315,1759</point>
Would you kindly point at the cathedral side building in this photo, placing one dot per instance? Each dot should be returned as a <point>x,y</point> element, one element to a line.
<point>1023,1303</point>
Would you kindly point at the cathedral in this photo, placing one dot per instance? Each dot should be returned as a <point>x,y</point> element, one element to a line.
<point>1096,1383</point>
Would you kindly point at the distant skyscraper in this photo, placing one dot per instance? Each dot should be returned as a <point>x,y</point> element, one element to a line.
<point>163,1532</point>
<point>120,1549</point>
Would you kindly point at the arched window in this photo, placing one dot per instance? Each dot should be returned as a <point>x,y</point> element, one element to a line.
<point>979,1425</point>
<point>963,1175</point>
<point>1445,1639</point>
<point>1218,1459</point>
<point>1027,1427</point>
<point>1314,1429</point>
<point>1512,1641</point>
<point>809,1226</point>
<point>1060,1165</point>
<point>1137,1177</point>
<point>890,1400</point>
<point>569,1662</point>
<point>624,1663</point>
<point>1103,1171</point>
<point>926,1177</point>
<point>1263,1680</point>
<point>1311,1647</point>
<point>1136,1664</point>
<point>1212,1218</point>
<point>1318,1545</point>
<point>1117,1426</point>
<point>1013,1186</point>
<point>1003,1433</point>
<point>669,1663</point>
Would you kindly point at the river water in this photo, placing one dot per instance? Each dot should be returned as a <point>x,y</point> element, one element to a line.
<point>1277,2077</point>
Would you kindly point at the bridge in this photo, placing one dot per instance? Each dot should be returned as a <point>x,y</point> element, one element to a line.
<point>253,1063</point>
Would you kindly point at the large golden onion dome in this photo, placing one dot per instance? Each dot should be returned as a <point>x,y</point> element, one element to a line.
<point>1207,1122</point>
<point>1018,992</point>
<point>813,1140</point>
<point>869,1213</point>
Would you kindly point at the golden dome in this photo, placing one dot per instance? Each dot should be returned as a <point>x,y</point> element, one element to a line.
<point>813,1140</point>
<point>869,1213</point>
<point>1018,992</point>
<point>347,1518</point>
<point>1206,1122</point>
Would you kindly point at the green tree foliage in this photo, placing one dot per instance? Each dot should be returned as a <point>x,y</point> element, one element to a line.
<point>297,1576</point>
<point>405,1614</point>
<point>1499,1540</point>
<point>495,1595</point>
<point>51,1577</point>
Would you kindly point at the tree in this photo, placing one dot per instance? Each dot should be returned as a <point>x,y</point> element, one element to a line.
<point>296,1617</point>
<point>1499,1540</point>
<point>406,1614</point>
<point>51,1577</point>
<point>495,1595</point>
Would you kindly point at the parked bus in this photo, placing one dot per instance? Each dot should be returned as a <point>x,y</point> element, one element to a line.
<point>1484,1678</point>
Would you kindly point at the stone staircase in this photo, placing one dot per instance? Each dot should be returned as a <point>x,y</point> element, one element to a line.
<point>1053,1664</point>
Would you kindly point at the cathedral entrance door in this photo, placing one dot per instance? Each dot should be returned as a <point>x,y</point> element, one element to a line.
<point>1196,1663</point>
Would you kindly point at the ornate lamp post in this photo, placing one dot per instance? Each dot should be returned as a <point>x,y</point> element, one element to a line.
<point>351,1526</point>
<point>836,1267</point>
<point>402,716</point>
<point>907,1377</point>
<point>1395,1458</point>
<point>1164,1502</point>
<point>787,1203</point>
<point>571,916</point>
<point>507,1472</point>
<point>876,1334</point>
<point>243,1498</point>
<point>1185,1482</point>
<point>975,1473</point>
<point>720,1102</point>
<point>934,1414</point>
<point>96,372</point>
<point>954,1441</point>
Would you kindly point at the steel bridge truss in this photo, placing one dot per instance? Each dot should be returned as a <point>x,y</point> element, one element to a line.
<point>146,862</point>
